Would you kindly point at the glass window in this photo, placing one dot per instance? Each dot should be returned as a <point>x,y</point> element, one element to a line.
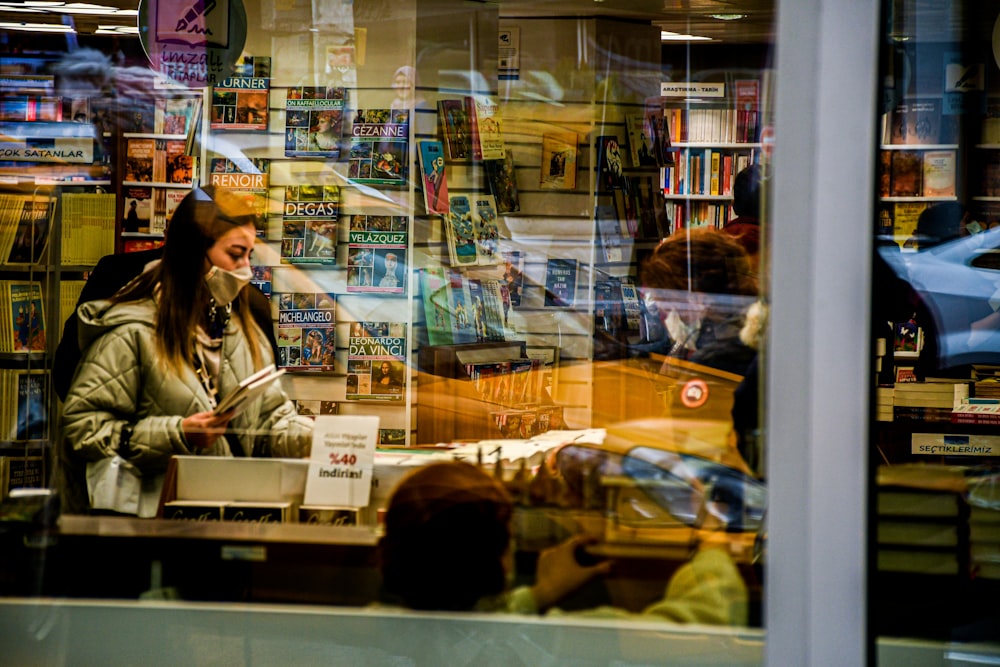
<point>933,505</point>
<point>429,305</point>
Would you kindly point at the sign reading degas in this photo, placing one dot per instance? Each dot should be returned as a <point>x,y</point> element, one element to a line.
<point>193,42</point>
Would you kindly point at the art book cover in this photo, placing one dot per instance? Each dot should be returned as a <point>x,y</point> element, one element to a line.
<point>907,174</point>
<point>939,174</point>
<point>240,102</point>
<point>559,152</point>
<point>376,254</point>
<point>263,279</point>
<point>178,115</point>
<point>487,136</point>
<point>435,178</point>
<point>513,275</point>
<point>656,129</point>
<point>560,283</point>
<point>456,131</point>
<point>32,405</point>
<point>180,166</point>
<point>460,308</point>
<point>376,361</point>
<point>609,163</point>
<point>138,209</point>
<point>380,140</point>
<point>640,144</point>
<point>139,154</point>
<point>915,122</point>
<point>309,225</point>
<point>487,230</point>
<point>27,316</point>
<point>487,310</point>
<point>461,232</point>
<point>609,310</point>
<point>306,325</point>
<point>314,408</point>
<point>33,228</point>
<point>314,121</point>
<point>502,178</point>
<point>249,178</point>
<point>434,298</point>
<point>630,300</point>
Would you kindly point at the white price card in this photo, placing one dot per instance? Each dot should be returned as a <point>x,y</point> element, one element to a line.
<point>341,461</point>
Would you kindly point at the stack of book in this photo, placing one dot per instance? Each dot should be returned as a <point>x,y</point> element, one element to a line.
<point>932,400</point>
<point>922,520</point>
<point>984,540</point>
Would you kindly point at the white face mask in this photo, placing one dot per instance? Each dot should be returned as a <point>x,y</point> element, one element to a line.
<point>226,285</point>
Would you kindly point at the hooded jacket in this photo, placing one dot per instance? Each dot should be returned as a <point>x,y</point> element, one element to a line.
<point>121,383</point>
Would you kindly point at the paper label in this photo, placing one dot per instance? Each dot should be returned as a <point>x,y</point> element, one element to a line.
<point>341,460</point>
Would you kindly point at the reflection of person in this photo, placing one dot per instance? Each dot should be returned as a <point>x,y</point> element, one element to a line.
<point>404,84</point>
<point>323,137</point>
<point>447,508</point>
<point>390,279</point>
<point>698,283</point>
<point>132,217</point>
<point>161,351</point>
<point>745,227</point>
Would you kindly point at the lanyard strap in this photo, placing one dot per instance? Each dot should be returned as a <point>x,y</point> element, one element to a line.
<point>235,446</point>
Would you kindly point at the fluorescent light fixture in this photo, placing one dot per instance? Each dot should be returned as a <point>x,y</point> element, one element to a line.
<point>117,30</point>
<point>22,10</point>
<point>667,36</point>
<point>84,8</point>
<point>35,27</point>
<point>728,17</point>
<point>43,3</point>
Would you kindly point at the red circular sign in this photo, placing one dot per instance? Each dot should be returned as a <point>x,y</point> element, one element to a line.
<point>694,393</point>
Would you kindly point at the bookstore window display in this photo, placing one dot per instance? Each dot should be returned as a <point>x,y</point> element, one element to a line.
<point>365,278</point>
<point>936,416</point>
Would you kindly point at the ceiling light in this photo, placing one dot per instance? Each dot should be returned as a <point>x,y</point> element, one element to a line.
<point>23,10</point>
<point>728,17</point>
<point>667,36</point>
<point>35,27</point>
<point>117,30</point>
<point>43,3</point>
<point>84,8</point>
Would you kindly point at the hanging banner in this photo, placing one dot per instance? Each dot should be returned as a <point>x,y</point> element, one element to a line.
<point>193,42</point>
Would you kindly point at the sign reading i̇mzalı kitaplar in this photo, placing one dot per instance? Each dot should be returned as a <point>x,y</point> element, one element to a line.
<point>341,461</point>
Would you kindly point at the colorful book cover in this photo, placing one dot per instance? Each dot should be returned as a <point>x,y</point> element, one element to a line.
<point>392,437</point>
<point>240,102</point>
<point>630,300</point>
<point>455,130</point>
<point>180,166</point>
<point>27,316</point>
<point>314,121</point>
<point>609,310</point>
<point>560,283</point>
<point>907,173</point>
<point>306,325</point>
<point>502,178</point>
<point>461,232</point>
<point>178,115</point>
<point>263,279</point>
<point>487,310</point>
<point>487,231</point>
<point>138,209</point>
<point>376,255</point>
<point>32,405</point>
<point>487,137</point>
<point>32,234</point>
<point>460,308</point>
<point>309,225</point>
<point>173,198</point>
<point>139,154</point>
<point>434,298</point>
<point>248,177</point>
<point>435,179</point>
<point>380,140</point>
<point>640,144</point>
<point>559,152</point>
<point>376,361</point>
<point>315,408</point>
<point>513,275</point>
<point>609,163</point>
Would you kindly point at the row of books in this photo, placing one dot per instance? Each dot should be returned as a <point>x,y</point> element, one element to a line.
<point>176,115</point>
<point>160,161</point>
<point>688,213</point>
<point>25,223</point>
<point>528,420</point>
<point>919,121</point>
<point>713,125</point>
<point>509,383</point>
<point>21,472</point>
<point>705,171</point>
<point>88,228</point>
<point>149,209</point>
<point>904,173</point>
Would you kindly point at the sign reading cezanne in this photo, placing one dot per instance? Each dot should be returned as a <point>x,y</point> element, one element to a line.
<point>193,42</point>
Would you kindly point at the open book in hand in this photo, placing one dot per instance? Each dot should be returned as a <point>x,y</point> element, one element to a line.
<point>250,388</point>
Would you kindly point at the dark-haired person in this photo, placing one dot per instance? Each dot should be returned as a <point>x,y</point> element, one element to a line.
<point>159,354</point>
<point>745,227</point>
<point>447,547</point>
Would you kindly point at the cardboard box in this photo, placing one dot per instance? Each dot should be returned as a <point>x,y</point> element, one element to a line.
<point>220,478</point>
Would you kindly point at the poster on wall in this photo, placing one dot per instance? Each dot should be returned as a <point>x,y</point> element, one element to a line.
<point>239,102</point>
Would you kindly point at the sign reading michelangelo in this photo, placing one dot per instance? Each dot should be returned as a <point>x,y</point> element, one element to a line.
<point>193,42</point>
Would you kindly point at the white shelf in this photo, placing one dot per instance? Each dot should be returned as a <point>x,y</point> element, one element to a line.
<point>919,147</point>
<point>153,135</point>
<point>915,199</point>
<point>714,144</point>
<point>672,195</point>
<point>158,184</point>
<point>142,235</point>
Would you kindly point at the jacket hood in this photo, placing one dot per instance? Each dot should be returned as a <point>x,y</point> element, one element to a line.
<point>98,317</point>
